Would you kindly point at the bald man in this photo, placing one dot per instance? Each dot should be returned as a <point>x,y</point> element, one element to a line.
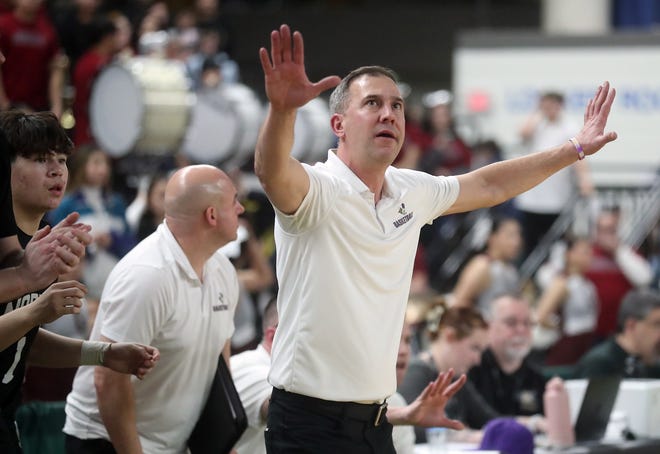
<point>173,291</point>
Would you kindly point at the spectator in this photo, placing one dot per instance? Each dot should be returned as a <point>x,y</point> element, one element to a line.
<point>447,154</point>
<point>152,36</point>
<point>209,16</point>
<point>569,305</point>
<point>90,195</point>
<point>76,28</point>
<point>124,35</point>
<point>33,76</point>
<point>417,138</point>
<point>615,269</point>
<point>634,351</point>
<point>210,55</point>
<point>541,205</point>
<point>43,259</point>
<point>506,378</point>
<point>39,176</point>
<point>38,181</point>
<point>185,26</point>
<point>458,338</point>
<point>154,212</point>
<point>492,272</point>
<point>103,46</point>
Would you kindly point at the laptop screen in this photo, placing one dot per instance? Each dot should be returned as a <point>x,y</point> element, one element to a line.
<point>594,415</point>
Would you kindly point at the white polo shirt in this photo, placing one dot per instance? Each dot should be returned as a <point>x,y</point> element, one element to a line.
<point>250,372</point>
<point>154,297</point>
<point>344,268</point>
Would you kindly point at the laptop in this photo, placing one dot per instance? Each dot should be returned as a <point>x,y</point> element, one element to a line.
<point>597,404</point>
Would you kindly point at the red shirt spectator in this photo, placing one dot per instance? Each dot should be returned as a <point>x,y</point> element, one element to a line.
<point>29,42</point>
<point>615,269</point>
<point>87,68</point>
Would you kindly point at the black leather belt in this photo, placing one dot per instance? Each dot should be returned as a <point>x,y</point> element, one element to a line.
<point>368,413</point>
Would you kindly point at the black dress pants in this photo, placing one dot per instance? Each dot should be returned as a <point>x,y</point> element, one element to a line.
<point>306,425</point>
<point>75,445</point>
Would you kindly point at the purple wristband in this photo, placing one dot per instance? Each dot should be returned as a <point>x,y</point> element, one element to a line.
<point>578,148</point>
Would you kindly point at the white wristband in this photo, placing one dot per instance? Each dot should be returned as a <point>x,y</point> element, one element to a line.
<point>92,353</point>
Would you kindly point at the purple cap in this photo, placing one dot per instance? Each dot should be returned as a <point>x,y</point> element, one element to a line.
<point>507,436</point>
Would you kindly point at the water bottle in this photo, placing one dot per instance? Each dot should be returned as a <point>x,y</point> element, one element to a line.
<point>436,438</point>
<point>558,414</point>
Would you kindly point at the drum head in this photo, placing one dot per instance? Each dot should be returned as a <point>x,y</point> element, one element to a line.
<point>224,126</point>
<point>116,109</point>
<point>214,129</point>
<point>313,135</point>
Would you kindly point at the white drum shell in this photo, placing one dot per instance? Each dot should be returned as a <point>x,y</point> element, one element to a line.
<point>142,105</point>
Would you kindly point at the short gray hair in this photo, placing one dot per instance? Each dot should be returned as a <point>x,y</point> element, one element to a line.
<point>269,318</point>
<point>637,304</point>
<point>489,311</point>
<point>339,96</point>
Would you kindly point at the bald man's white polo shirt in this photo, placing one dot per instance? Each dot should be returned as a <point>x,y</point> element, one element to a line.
<point>344,267</point>
<point>153,297</point>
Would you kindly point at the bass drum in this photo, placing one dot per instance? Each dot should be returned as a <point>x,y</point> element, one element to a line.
<point>224,126</point>
<point>313,135</point>
<point>140,105</point>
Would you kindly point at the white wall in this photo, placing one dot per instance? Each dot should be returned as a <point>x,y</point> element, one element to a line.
<point>511,77</point>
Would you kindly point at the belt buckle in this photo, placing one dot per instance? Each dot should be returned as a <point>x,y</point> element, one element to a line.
<point>381,412</point>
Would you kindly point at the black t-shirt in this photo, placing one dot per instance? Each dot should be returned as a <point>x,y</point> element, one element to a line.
<point>7,222</point>
<point>13,359</point>
<point>608,358</point>
<point>520,393</point>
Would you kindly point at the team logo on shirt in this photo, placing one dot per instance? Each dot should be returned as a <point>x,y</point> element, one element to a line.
<point>222,306</point>
<point>405,218</point>
<point>527,400</point>
<point>21,301</point>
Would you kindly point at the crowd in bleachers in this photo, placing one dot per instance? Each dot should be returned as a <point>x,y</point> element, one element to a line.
<point>544,326</point>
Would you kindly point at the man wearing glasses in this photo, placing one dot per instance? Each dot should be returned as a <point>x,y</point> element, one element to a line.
<point>506,378</point>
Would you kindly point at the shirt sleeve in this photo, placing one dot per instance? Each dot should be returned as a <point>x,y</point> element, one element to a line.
<point>251,382</point>
<point>438,192</point>
<point>636,269</point>
<point>316,204</point>
<point>445,193</point>
<point>479,412</point>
